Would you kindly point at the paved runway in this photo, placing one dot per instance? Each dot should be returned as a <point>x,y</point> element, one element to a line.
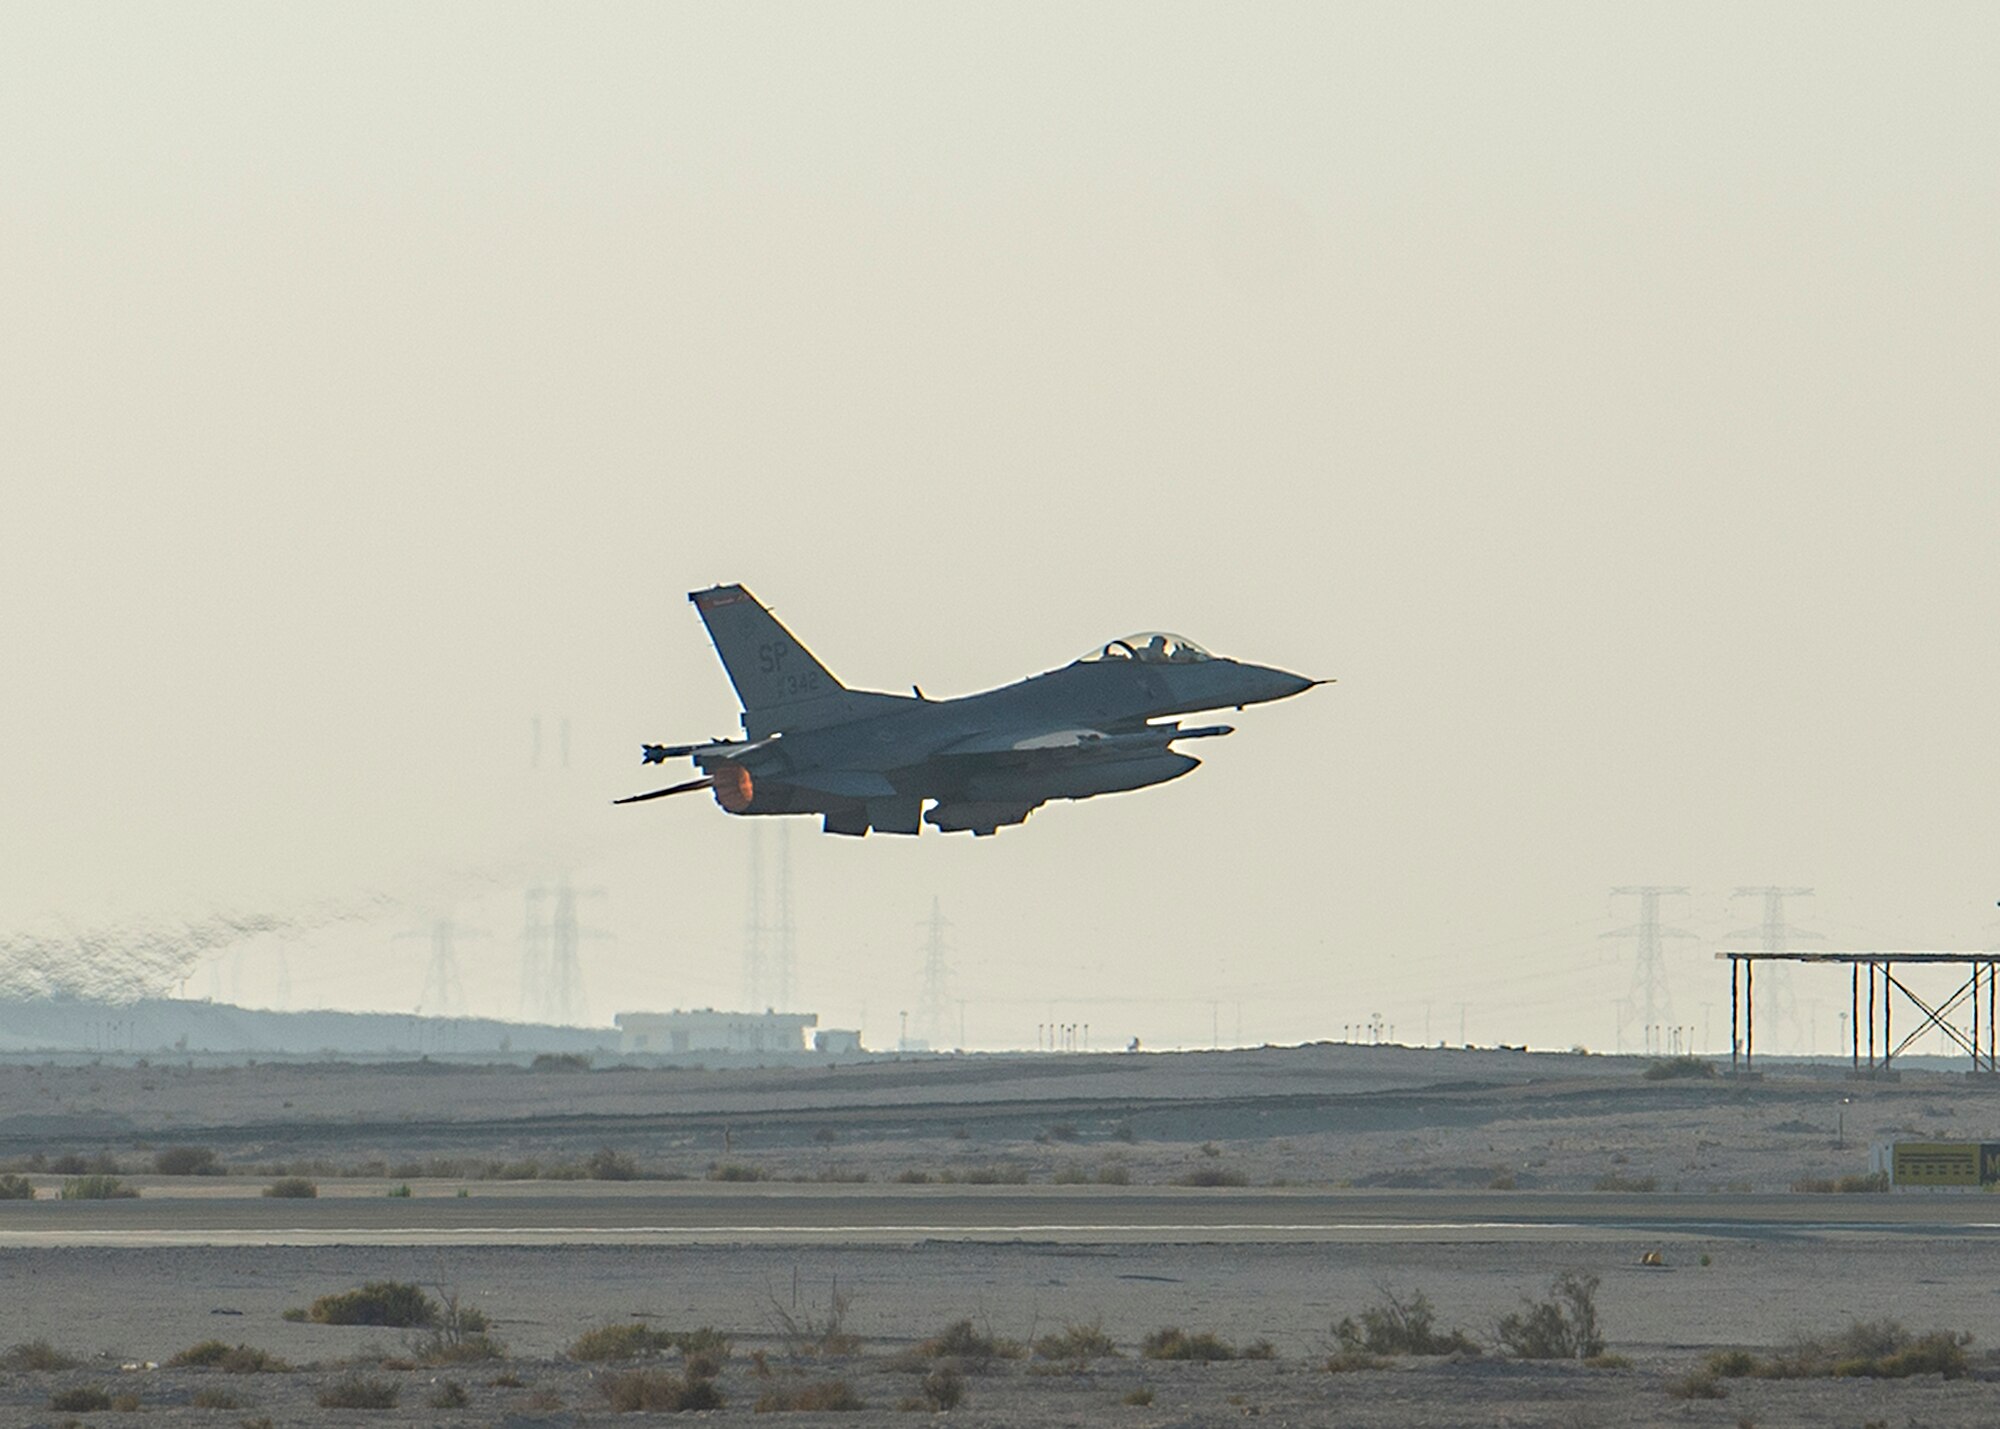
<point>526,1214</point>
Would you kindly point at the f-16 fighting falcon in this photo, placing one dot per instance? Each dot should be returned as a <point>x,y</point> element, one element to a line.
<point>864,760</point>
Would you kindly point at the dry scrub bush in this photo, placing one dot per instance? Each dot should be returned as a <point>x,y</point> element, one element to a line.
<point>36,1356</point>
<point>449,1395</point>
<point>1211,1176</point>
<point>1845,1185</point>
<point>943,1388</point>
<point>215,1399</point>
<point>238,1359</point>
<point>819,1396</point>
<point>967,1347</point>
<point>358,1392</point>
<point>1080,1343</point>
<point>1397,1326</point>
<point>1671,1068</point>
<point>821,1334</point>
<point>188,1161</point>
<point>1698,1384</point>
<point>16,1188</point>
<point>1173,1343</point>
<point>1866,1349</point>
<point>292,1188</point>
<point>1563,1327</point>
<point>656,1392</point>
<point>84,1399</point>
<point>1138,1398</point>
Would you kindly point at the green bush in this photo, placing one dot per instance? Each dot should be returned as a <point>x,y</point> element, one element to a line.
<point>1401,1327</point>
<point>380,1302</point>
<point>358,1392</point>
<point>292,1188</point>
<point>96,1187</point>
<point>737,1171</point>
<point>188,1161</point>
<point>1866,1349</point>
<point>16,1188</point>
<point>1173,1343</point>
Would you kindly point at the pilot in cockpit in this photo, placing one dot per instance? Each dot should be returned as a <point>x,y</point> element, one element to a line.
<point>1155,652</point>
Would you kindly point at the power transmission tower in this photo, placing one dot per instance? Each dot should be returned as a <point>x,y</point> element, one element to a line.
<point>551,969</point>
<point>1650,1001</point>
<point>753,927</point>
<point>1777,1003</point>
<point>444,993</point>
<point>936,995</point>
<point>784,953</point>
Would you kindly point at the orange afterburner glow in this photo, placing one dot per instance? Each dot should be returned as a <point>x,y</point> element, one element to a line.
<point>733,787</point>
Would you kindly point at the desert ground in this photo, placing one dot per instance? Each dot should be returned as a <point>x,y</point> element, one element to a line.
<point>831,1222</point>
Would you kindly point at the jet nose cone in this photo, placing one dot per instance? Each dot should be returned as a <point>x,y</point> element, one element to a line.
<point>1269,683</point>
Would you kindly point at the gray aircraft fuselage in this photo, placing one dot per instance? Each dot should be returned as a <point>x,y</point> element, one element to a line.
<point>865,760</point>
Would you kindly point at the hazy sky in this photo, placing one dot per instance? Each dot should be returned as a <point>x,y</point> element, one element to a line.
<point>1603,393</point>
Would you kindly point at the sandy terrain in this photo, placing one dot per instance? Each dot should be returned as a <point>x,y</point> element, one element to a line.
<point>1204,1258</point>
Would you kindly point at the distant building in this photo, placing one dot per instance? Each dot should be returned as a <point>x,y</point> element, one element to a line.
<point>836,1041</point>
<point>706,1030</point>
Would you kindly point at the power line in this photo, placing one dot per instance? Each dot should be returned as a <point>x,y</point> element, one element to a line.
<point>1651,997</point>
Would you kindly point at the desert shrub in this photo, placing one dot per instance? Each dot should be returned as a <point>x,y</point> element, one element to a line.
<point>1562,1327</point>
<point>16,1188</point>
<point>1347,1361</point>
<point>96,1187</point>
<point>819,1396</point>
<point>126,1403</point>
<point>1111,1173</point>
<point>292,1188</point>
<point>215,1399</point>
<point>457,1335</point>
<point>989,1176</point>
<point>380,1302</point>
<point>560,1062</point>
<point>1731,1364</point>
<point>358,1392</point>
<point>605,1164</point>
<point>911,1176</point>
<point>70,1163</point>
<point>1259,1350</point>
<point>1867,1349</point>
<point>188,1161</point>
<point>450,1395</point>
<point>400,1193</point>
<point>1670,1068</point>
<point>1138,1398</point>
<point>1397,1326</point>
<point>943,1388</point>
<point>813,1331</point>
<point>36,1356</point>
<point>1697,1384</point>
<point>1071,1176</point>
<point>1211,1176</point>
<point>737,1171</point>
<point>1173,1343</point>
<point>1628,1184</point>
<point>1077,1342</point>
<point>967,1345</point>
<point>621,1342</point>
<point>84,1399</point>
<point>1845,1185</point>
<point>654,1391</point>
<point>231,1359</point>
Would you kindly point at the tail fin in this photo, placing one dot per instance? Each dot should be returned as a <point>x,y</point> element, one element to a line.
<point>777,679</point>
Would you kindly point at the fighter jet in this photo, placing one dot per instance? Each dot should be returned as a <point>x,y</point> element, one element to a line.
<point>862,759</point>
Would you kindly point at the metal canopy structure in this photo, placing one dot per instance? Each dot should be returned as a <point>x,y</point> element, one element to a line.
<point>1957,1016</point>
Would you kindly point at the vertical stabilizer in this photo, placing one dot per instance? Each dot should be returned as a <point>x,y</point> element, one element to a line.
<point>779,682</point>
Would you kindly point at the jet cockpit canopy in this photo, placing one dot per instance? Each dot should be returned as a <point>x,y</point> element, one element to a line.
<point>1152,647</point>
